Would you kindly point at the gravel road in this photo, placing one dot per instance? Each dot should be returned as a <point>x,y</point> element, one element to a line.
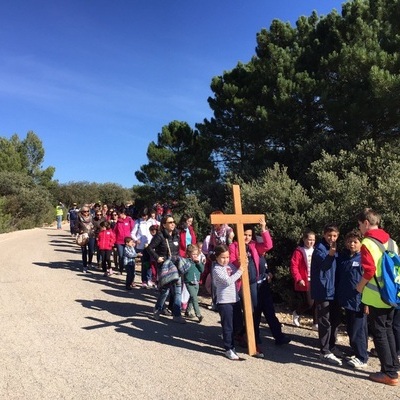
<point>69,335</point>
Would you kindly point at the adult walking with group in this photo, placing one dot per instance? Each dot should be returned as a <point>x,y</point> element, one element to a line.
<point>84,225</point>
<point>165,246</point>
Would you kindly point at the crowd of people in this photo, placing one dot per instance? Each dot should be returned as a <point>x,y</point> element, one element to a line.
<point>329,281</point>
<point>331,284</point>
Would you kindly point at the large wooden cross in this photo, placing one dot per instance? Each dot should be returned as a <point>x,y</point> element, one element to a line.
<point>239,220</point>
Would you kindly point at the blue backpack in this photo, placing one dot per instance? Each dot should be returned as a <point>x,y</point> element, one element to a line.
<point>389,288</point>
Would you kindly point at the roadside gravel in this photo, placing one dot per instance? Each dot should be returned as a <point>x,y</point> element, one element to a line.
<point>69,335</point>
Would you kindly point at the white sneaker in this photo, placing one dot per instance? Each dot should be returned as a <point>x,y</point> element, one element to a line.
<point>296,318</point>
<point>231,355</point>
<point>330,358</point>
<point>356,363</point>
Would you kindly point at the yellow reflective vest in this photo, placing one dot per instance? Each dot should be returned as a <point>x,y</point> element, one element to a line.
<point>59,210</point>
<point>370,294</point>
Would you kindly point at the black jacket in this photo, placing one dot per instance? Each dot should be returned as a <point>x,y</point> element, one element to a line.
<point>158,246</point>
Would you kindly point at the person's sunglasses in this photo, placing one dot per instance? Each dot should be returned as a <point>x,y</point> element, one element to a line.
<point>170,222</point>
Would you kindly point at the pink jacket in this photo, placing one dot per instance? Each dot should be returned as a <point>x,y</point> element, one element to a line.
<point>256,249</point>
<point>123,229</point>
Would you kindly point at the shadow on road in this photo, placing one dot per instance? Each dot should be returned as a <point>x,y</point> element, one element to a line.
<point>72,265</point>
<point>135,322</point>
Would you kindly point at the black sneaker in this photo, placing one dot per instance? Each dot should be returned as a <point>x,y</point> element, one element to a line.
<point>283,340</point>
<point>338,353</point>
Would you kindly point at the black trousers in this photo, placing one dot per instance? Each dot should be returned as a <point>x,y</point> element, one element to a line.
<point>328,314</point>
<point>261,297</point>
<point>381,324</point>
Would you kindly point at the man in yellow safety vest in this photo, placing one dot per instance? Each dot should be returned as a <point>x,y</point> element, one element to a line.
<point>381,314</point>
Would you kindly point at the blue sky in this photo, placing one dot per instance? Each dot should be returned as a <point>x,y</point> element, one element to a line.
<point>96,80</point>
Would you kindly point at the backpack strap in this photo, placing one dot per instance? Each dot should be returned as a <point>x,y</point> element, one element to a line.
<point>383,249</point>
<point>390,245</point>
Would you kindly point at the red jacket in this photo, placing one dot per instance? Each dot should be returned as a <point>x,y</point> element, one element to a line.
<point>106,239</point>
<point>298,269</point>
<point>182,240</point>
<point>367,260</point>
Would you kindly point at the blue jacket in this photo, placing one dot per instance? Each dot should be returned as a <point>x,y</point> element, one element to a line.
<point>348,274</point>
<point>323,270</point>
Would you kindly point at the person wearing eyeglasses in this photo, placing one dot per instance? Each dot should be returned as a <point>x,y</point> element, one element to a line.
<point>84,224</point>
<point>163,246</point>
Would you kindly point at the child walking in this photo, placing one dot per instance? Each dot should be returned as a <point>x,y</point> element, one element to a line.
<point>129,262</point>
<point>191,278</point>
<point>348,274</point>
<point>105,242</point>
<point>225,276</point>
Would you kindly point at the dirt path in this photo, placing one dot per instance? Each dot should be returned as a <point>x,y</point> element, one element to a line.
<point>66,335</point>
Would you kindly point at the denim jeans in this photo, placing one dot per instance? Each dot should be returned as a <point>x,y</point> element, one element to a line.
<point>231,322</point>
<point>162,297</point>
<point>146,270</point>
<point>59,221</point>
<point>98,255</point>
<point>120,251</point>
<point>87,252</point>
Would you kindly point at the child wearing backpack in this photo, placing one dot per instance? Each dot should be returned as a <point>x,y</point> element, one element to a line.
<point>191,277</point>
<point>381,314</point>
<point>348,274</point>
